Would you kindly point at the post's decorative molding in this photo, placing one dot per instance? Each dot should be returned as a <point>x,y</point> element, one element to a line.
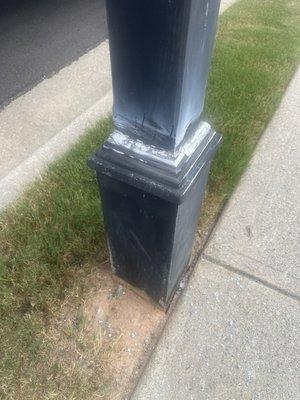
<point>153,169</point>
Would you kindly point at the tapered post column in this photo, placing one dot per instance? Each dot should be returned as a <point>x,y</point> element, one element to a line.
<point>153,168</point>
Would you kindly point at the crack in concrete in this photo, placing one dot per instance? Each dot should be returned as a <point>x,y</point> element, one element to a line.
<point>250,277</point>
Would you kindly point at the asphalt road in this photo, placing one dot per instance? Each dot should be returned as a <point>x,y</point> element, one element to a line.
<point>39,37</point>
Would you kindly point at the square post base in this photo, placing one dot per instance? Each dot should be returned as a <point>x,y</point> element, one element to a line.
<point>151,207</point>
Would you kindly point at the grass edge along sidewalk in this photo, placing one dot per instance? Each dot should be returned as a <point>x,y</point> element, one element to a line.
<point>48,235</point>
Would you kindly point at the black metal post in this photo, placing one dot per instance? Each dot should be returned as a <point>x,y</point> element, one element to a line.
<point>153,169</point>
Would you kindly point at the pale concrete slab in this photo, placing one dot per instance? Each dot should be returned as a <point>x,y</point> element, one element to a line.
<point>259,232</point>
<point>229,338</point>
<point>31,168</point>
<point>31,120</point>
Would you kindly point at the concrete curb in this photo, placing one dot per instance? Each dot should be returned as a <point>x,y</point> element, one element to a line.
<point>12,185</point>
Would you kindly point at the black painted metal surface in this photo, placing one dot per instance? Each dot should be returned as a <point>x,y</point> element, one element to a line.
<point>152,170</point>
<point>151,213</point>
<point>150,238</point>
<point>150,220</point>
<point>160,53</point>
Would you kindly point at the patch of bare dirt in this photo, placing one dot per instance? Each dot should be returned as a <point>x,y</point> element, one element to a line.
<point>104,339</point>
<point>128,319</point>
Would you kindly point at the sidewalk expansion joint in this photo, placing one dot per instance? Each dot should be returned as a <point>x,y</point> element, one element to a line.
<point>250,276</point>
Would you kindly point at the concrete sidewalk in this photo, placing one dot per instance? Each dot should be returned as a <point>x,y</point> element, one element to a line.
<point>235,332</point>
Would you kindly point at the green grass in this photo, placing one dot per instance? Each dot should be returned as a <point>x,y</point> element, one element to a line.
<point>45,239</point>
<point>53,230</point>
<point>256,54</point>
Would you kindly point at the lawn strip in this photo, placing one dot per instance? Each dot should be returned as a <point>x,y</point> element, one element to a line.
<point>56,227</point>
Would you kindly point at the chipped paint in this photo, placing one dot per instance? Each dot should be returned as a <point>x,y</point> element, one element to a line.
<point>122,143</point>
